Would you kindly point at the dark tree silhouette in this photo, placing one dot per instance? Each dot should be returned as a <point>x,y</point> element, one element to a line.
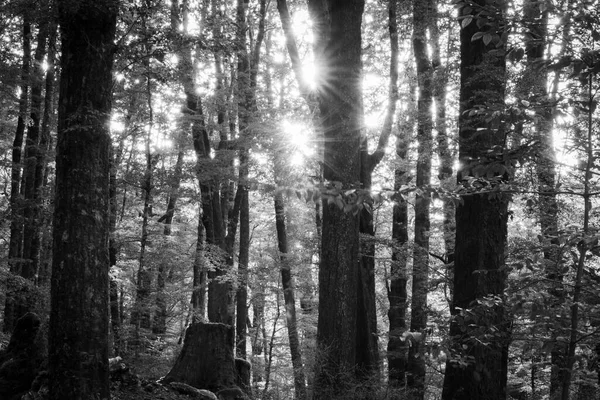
<point>78,335</point>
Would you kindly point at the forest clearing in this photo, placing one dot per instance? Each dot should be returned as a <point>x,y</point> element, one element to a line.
<point>299,199</point>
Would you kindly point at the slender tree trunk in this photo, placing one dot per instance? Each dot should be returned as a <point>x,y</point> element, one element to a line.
<point>287,283</point>
<point>113,250</point>
<point>534,88</point>
<point>31,187</point>
<point>41,179</point>
<point>159,326</point>
<point>397,294</point>
<point>480,327</point>
<point>367,346</point>
<point>422,15</point>
<point>584,242</point>
<point>446,157</point>
<point>142,316</point>
<point>15,248</point>
<point>337,31</point>
<point>79,291</point>
<point>243,261</point>
<point>258,322</point>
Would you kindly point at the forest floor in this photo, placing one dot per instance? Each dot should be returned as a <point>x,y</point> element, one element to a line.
<point>138,380</point>
<point>156,392</point>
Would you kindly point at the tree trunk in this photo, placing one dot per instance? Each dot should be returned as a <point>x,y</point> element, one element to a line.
<point>159,326</point>
<point>31,186</point>
<point>337,31</point>
<point>41,171</point>
<point>534,88</point>
<point>79,291</point>
<point>397,295</point>
<point>287,283</point>
<point>142,315</point>
<point>243,261</point>
<point>480,327</point>
<point>258,337</point>
<point>422,16</point>
<point>15,249</point>
<point>445,154</point>
<point>206,360</point>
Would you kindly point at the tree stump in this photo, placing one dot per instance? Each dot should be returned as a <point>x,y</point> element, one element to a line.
<point>21,360</point>
<point>206,360</point>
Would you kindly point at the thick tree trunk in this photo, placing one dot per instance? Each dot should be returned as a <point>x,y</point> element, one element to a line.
<point>480,327</point>
<point>206,360</point>
<point>79,291</point>
<point>337,31</point>
<point>15,248</point>
<point>422,15</point>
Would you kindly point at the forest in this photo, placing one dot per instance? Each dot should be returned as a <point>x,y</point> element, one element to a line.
<point>289,199</point>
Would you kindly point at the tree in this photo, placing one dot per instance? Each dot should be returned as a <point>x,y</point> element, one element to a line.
<point>16,228</point>
<point>422,20</point>
<point>337,48</point>
<point>479,330</point>
<point>79,290</point>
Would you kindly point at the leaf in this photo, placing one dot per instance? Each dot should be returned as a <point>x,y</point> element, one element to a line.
<point>477,35</point>
<point>466,21</point>
<point>487,38</point>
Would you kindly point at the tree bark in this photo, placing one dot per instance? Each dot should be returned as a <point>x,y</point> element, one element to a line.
<point>337,47</point>
<point>480,327</point>
<point>422,16</point>
<point>206,360</point>
<point>79,291</point>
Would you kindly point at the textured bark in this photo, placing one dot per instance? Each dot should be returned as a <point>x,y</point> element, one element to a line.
<point>479,327</point>
<point>206,360</point>
<point>79,290</point>
<point>422,16</point>
<point>15,248</point>
<point>287,283</point>
<point>337,47</point>
<point>397,294</point>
